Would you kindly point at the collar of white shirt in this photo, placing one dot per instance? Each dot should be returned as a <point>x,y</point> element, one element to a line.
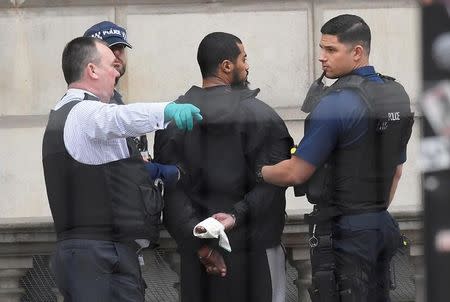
<point>71,95</point>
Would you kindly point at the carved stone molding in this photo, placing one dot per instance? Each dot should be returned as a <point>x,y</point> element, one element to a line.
<point>11,270</point>
<point>21,238</point>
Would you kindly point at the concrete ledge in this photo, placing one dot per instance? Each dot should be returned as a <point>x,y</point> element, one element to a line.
<point>11,294</point>
<point>33,235</point>
<point>26,236</point>
<point>21,238</point>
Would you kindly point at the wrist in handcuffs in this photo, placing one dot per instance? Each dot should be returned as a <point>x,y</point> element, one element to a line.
<point>205,252</point>
<point>207,256</point>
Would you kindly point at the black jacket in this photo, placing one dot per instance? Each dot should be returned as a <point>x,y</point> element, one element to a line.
<point>219,158</point>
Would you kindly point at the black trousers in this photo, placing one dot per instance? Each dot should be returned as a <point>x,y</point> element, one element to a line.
<point>363,246</point>
<point>97,271</point>
<point>247,280</point>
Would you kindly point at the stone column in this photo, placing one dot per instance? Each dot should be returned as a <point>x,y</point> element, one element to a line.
<point>59,297</point>
<point>299,259</point>
<point>12,268</point>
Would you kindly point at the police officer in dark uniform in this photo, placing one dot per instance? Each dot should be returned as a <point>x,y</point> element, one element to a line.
<point>349,163</point>
<point>116,37</point>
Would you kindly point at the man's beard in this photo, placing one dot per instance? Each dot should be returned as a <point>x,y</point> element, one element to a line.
<point>238,83</point>
<point>121,72</point>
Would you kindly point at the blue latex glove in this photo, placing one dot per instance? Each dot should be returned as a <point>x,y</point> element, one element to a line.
<point>183,114</point>
<point>168,173</point>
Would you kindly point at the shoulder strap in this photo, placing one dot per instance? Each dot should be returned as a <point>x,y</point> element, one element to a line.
<point>353,82</point>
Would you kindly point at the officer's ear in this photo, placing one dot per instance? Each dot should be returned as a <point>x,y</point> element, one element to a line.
<point>358,52</point>
<point>91,71</point>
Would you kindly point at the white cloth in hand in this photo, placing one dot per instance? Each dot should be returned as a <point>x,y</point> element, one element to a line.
<point>214,229</point>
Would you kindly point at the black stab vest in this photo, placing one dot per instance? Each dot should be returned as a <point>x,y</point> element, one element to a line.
<point>113,201</point>
<point>358,178</point>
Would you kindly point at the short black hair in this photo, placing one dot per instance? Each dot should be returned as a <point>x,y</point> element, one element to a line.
<point>349,29</point>
<point>214,49</point>
<point>77,54</point>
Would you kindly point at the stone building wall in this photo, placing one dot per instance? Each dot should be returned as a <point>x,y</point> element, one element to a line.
<point>281,40</point>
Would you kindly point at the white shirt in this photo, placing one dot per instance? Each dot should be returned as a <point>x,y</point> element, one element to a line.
<point>95,132</point>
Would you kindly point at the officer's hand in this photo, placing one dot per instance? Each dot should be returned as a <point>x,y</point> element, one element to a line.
<point>169,174</point>
<point>182,114</point>
<point>227,220</point>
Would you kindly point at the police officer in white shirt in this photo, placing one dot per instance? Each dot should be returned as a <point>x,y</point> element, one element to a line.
<point>100,197</point>
<point>116,37</point>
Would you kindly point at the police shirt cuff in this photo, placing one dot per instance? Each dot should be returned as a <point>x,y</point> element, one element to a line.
<point>159,115</point>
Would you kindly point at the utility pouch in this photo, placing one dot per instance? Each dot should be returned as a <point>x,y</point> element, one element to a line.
<point>320,187</point>
<point>347,296</point>
<point>345,292</point>
<point>324,287</point>
<point>136,203</point>
<point>152,201</point>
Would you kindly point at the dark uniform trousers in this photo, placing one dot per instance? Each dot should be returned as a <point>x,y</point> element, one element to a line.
<point>364,245</point>
<point>97,271</point>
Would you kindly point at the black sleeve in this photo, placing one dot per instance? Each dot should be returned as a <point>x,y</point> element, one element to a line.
<point>166,145</point>
<point>267,142</point>
<point>180,214</point>
<point>180,218</point>
<point>258,201</point>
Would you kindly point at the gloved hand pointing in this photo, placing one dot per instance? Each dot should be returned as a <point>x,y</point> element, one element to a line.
<point>183,114</point>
